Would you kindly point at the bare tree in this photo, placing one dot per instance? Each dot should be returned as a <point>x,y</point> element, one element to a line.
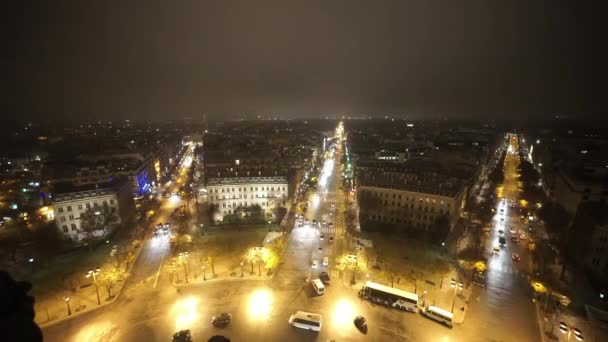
<point>97,218</point>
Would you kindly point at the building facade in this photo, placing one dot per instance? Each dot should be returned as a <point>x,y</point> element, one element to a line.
<point>70,202</point>
<point>228,194</point>
<point>411,197</point>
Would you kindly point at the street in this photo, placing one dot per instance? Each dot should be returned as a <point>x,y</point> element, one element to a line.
<point>506,302</point>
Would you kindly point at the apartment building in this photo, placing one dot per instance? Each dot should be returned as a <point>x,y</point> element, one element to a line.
<point>230,193</point>
<point>71,201</point>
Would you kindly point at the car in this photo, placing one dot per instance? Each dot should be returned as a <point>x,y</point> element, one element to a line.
<point>321,236</point>
<point>361,323</point>
<point>502,240</point>
<point>522,236</point>
<point>326,261</point>
<point>314,222</point>
<point>514,239</point>
<point>515,257</point>
<point>500,232</point>
<point>331,225</point>
<point>324,277</point>
<point>182,336</point>
<point>221,320</point>
<point>331,239</point>
<point>320,250</point>
<point>496,250</point>
<point>315,263</point>
<point>324,222</point>
<point>512,230</point>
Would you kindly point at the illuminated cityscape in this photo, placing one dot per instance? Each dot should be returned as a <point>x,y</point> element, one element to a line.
<point>341,171</point>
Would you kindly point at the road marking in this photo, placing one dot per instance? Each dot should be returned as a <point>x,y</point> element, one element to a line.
<point>158,273</point>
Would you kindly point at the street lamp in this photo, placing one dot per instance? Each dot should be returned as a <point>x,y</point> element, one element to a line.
<point>67,301</point>
<point>456,286</point>
<point>569,330</point>
<point>241,269</point>
<point>184,257</point>
<point>94,274</point>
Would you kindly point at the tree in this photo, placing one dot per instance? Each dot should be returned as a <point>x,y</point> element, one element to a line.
<point>110,276</point>
<point>210,252</point>
<point>351,263</point>
<point>95,219</point>
<point>279,213</point>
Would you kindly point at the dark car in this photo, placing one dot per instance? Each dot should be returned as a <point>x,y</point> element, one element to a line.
<point>182,336</point>
<point>361,324</point>
<point>324,277</point>
<point>502,240</point>
<point>222,320</point>
<point>331,239</point>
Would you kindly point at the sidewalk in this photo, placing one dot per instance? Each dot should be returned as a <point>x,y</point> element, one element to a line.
<point>53,309</point>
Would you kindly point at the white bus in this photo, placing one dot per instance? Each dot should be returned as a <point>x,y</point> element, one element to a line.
<point>306,320</point>
<point>381,294</point>
<point>439,315</point>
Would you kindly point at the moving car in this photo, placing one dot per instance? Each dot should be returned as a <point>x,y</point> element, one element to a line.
<point>222,320</point>
<point>361,323</point>
<point>182,336</point>
<point>318,286</point>
<point>496,250</point>
<point>324,277</point>
<point>315,263</point>
<point>320,250</point>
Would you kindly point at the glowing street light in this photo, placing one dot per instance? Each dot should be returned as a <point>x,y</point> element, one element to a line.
<point>94,273</point>
<point>260,304</point>
<point>67,301</point>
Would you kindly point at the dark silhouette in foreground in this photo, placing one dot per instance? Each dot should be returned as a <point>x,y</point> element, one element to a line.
<point>17,311</point>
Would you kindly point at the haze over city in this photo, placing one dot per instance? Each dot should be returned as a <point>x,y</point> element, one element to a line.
<point>303,171</point>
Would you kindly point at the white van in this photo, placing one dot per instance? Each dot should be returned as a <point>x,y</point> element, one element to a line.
<point>326,261</point>
<point>317,284</point>
<point>306,320</point>
<point>439,315</point>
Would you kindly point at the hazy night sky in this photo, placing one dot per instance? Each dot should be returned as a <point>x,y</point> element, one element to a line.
<point>116,59</point>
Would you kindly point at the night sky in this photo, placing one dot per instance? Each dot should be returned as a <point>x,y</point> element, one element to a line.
<point>168,59</point>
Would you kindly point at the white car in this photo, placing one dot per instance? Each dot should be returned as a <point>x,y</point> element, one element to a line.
<point>315,263</point>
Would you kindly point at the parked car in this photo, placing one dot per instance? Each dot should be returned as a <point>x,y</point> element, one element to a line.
<point>321,236</point>
<point>515,257</point>
<point>315,263</point>
<point>331,239</point>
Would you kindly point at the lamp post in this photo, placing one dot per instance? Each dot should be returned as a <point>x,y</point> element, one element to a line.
<point>94,274</point>
<point>204,276</point>
<point>456,286</point>
<point>184,257</point>
<point>241,269</point>
<point>67,301</point>
<point>569,330</point>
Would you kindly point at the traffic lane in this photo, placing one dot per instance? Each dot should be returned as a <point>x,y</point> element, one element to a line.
<point>503,310</point>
